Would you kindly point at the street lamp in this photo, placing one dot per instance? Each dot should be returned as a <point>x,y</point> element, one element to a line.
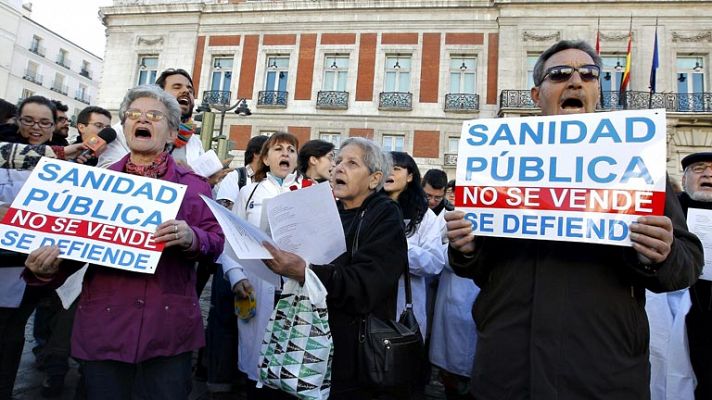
<point>219,100</point>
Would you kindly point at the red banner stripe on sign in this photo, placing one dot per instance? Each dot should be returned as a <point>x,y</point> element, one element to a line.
<point>81,228</point>
<point>610,201</point>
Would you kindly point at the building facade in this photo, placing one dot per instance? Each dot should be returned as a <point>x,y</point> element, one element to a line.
<point>405,73</point>
<point>36,61</point>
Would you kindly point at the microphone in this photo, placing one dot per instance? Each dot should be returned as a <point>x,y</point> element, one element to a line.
<point>95,143</point>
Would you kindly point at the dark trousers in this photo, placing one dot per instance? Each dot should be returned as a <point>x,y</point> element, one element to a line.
<point>699,335</point>
<point>161,378</point>
<point>221,347</point>
<point>12,337</point>
<point>55,354</point>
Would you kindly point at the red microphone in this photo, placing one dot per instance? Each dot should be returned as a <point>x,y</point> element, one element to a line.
<point>96,143</point>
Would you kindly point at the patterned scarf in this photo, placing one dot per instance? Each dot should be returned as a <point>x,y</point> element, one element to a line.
<point>185,131</point>
<point>156,169</point>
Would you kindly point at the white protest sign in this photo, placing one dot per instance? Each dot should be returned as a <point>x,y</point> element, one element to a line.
<point>578,178</point>
<point>93,215</point>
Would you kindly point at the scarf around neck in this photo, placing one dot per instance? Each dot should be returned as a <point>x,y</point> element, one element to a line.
<point>156,169</point>
<point>185,131</point>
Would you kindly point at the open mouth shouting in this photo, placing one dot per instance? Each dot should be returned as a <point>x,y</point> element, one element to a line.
<point>185,102</point>
<point>142,133</point>
<point>572,105</point>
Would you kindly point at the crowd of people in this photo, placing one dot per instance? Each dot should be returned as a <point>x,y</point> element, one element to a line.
<point>500,318</point>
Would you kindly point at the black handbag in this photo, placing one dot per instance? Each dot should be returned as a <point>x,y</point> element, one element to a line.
<point>390,353</point>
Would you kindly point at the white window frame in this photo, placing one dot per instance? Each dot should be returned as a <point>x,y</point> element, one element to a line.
<point>331,137</point>
<point>393,139</point>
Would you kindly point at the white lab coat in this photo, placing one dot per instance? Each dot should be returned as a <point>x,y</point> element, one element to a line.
<point>118,148</point>
<point>425,259</point>
<point>671,374</point>
<point>251,332</point>
<point>12,286</point>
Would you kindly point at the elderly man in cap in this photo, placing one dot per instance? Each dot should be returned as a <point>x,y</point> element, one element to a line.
<point>697,185</point>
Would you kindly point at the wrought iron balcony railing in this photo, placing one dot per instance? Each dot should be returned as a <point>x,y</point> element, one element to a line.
<point>462,102</point>
<point>631,100</point>
<point>59,88</point>
<point>39,50</point>
<point>85,73</point>
<point>395,101</point>
<point>83,97</point>
<point>516,99</point>
<point>332,100</point>
<point>217,97</point>
<point>450,159</point>
<point>272,98</point>
<point>63,62</point>
<point>33,76</point>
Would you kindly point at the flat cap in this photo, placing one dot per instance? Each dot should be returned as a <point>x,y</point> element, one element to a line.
<point>695,158</point>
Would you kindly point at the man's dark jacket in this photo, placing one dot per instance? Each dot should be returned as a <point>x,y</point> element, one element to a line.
<point>561,320</point>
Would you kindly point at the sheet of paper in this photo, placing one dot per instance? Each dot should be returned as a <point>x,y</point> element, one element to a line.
<point>244,238</point>
<point>699,222</point>
<point>254,267</point>
<point>12,287</point>
<point>207,164</point>
<point>306,222</point>
<point>72,287</point>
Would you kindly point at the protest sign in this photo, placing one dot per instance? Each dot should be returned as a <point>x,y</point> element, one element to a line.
<point>93,215</point>
<point>578,178</point>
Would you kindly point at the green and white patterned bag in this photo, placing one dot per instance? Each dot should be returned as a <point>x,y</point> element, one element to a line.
<point>297,348</point>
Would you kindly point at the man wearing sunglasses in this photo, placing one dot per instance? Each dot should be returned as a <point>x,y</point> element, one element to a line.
<point>564,320</point>
<point>187,147</point>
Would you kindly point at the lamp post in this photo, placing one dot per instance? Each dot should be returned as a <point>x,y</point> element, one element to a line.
<point>220,100</point>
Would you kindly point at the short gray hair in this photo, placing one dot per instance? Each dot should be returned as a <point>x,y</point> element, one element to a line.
<point>561,45</point>
<point>376,160</point>
<point>156,93</point>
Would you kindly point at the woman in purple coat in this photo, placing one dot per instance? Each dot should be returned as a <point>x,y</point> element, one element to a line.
<point>134,327</point>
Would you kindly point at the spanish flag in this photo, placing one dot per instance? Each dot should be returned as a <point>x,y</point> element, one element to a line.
<point>626,71</point>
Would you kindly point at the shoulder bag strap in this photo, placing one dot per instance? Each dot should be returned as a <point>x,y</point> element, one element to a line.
<point>251,194</point>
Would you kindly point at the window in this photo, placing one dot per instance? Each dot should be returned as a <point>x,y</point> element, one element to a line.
<point>82,94</point>
<point>58,84</point>
<point>26,93</point>
<point>63,58</point>
<point>85,71</point>
<point>462,74</point>
<point>336,71</point>
<point>531,62</point>
<point>690,83</point>
<point>221,74</point>
<point>611,77</point>
<point>36,46</point>
<point>397,73</point>
<point>334,138</point>
<point>31,73</point>
<point>453,144</point>
<point>393,142</point>
<point>277,73</point>
<point>147,70</point>
<point>267,133</point>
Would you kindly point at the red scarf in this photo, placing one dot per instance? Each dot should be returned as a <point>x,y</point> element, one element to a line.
<point>156,169</point>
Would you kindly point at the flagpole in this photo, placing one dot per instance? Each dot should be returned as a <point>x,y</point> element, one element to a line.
<point>654,67</point>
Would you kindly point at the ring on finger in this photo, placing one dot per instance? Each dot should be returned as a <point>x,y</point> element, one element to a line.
<point>176,235</point>
<point>175,228</point>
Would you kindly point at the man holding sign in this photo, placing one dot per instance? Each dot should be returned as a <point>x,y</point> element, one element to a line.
<point>558,319</point>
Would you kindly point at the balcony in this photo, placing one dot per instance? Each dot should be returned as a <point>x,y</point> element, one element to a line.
<point>63,62</point>
<point>59,88</point>
<point>462,102</point>
<point>395,101</point>
<point>83,97</point>
<point>217,97</point>
<point>272,99</point>
<point>37,49</point>
<point>332,100</point>
<point>450,160</point>
<point>516,99</point>
<point>33,76</point>
<point>85,73</point>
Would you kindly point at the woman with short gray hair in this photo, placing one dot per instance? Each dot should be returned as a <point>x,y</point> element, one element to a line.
<point>363,280</point>
<point>134,328</point>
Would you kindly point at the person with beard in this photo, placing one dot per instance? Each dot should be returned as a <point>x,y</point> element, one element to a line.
<point>697,185</point>
<point>187,146</point>
<point>61,127</point>
<point>565,320</point>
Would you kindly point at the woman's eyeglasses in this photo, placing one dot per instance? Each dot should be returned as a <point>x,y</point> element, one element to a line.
<point>562,73</point>
<point>29,121</point>
<point>151,115</point>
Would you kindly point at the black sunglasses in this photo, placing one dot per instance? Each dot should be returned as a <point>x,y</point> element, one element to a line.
<point>562,73</point>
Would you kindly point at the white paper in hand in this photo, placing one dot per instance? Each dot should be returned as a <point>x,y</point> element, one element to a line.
<point>207,164</point>
<point>244,238</point>
<point>254,267</point>
<point>699,222</point>
<point>306,222</point>
<point>72,287</point>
